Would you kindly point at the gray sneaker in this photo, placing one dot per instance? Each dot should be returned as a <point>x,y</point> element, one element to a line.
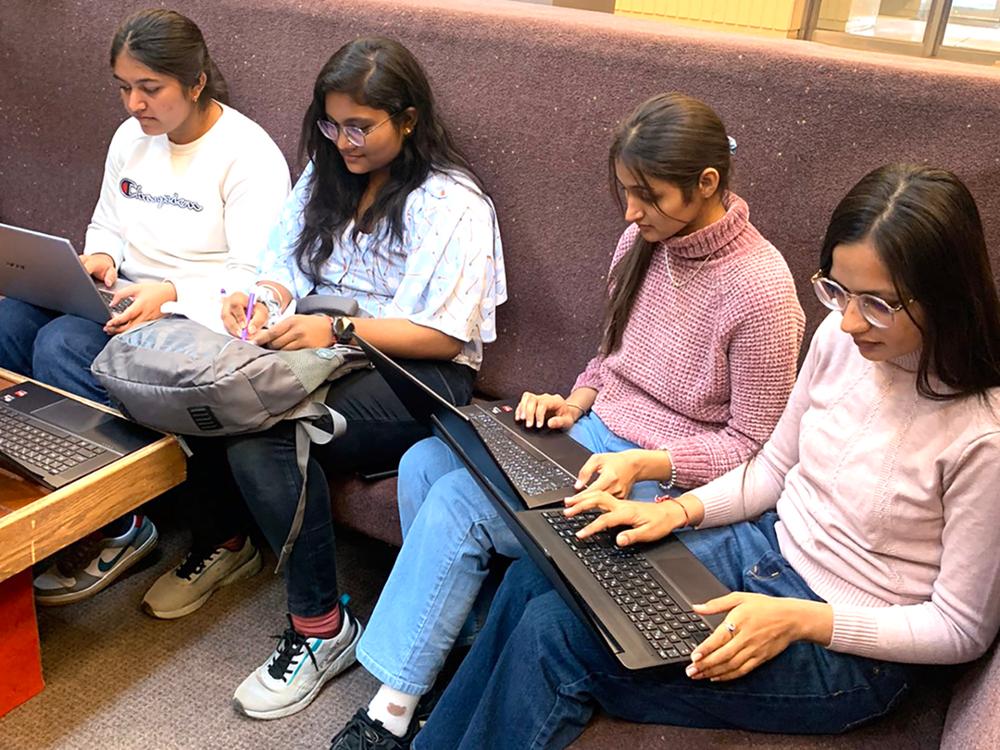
<point>93,564</point>
<point>184,589</point>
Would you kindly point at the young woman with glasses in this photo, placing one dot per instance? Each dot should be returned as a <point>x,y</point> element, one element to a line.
<point>860,540</point>
<point>389,213</point>
<point>698,357</point>
<point>191,187</point>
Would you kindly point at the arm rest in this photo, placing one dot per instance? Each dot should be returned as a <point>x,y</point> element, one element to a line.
<point>973,720</point>
<point>331,304</point>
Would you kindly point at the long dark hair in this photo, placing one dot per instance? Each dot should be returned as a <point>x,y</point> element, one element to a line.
<point>925,226</point>
<point>671,137</point>
<point>382,74</point>
<point>172,44</point>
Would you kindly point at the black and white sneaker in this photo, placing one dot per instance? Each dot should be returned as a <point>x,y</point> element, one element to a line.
<point>365,733</point>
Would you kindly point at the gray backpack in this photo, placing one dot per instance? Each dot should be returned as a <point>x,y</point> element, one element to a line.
<point>176,375</point>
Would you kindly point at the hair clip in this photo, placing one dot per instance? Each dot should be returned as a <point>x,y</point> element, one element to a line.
<point>732,144</point>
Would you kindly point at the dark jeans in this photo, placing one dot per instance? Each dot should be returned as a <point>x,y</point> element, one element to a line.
<point>379,430</point>
<point>51,347</point>
<point>536,672</point>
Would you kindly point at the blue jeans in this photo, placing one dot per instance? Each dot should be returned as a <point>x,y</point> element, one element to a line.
<point>536,672</point>
<point>451,532</point>
<point>51,347</point>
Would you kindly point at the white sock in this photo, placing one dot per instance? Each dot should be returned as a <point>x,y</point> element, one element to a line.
<point>393,708</point>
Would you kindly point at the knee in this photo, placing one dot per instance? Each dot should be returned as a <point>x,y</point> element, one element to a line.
<point>69,337</point>
<point>20,323</point>
<point>554,634</point>
<point>419,468</point>
<point>524,576</point>
<point>255,454</point>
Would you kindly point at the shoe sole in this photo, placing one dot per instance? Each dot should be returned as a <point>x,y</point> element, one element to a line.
<point>250,568</point>
<point>342,662</point>
<point>45,600</point>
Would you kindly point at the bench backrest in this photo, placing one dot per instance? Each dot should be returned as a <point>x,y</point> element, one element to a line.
<point>532,94</point>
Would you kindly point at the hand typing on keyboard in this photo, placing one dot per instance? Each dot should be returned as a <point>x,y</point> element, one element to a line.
<point>647,521</point>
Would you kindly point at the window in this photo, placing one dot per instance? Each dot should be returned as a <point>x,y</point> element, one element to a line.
<point>967,30</point>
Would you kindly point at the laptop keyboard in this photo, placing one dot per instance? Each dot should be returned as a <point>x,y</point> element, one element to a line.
<point>120,307</point>
<point>670,627</point>
<point>31,445</point>
<point>530,474</point>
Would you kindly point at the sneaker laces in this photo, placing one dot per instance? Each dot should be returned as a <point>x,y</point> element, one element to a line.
<point>195,562</point>
<point>290,645</point>
<point>77,556</point>
<point>364,733</point>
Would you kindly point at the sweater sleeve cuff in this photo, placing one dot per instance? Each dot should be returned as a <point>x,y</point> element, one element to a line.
<point>855,630</point>
<point>588,379</point>
<point>116,255</point>
<point>692,464</point>
<point>717,503</point>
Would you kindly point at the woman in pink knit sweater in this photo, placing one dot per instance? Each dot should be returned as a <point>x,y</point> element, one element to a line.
<point>861,539</point>
<point>698,358</point>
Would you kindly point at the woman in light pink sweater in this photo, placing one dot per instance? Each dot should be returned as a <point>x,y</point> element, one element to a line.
<point>861,539</point>
<point>698,358</point>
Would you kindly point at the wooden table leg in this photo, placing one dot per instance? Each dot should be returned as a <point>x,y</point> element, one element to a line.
<point>20,657</point>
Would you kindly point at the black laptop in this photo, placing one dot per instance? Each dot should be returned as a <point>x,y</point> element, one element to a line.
<point>54,440</point>
<point>638,599</point>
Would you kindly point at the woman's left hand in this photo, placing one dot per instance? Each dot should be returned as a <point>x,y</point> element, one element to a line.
<point>296,332</point>
<point>147,298</point>
<point>763,627</point>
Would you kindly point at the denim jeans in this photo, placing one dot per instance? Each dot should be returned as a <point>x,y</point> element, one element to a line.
<point>536,673</point>
<point>51,347</point>
<point>379,430</point>
<point>450,533</point>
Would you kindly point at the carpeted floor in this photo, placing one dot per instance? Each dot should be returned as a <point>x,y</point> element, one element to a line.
<point>117,679</point>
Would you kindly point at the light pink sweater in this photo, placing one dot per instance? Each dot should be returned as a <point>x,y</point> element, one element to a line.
<point>888,502</point>
<point>703,370</point>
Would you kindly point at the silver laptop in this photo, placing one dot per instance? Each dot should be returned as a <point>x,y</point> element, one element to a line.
<point>46,271</point>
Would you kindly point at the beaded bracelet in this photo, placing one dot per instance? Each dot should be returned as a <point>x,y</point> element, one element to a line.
<point>672,482</point>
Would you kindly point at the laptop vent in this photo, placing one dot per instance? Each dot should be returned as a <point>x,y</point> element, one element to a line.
<point>204,418</point>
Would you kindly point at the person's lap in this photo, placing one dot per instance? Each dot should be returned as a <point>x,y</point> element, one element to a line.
<point>817,690</point>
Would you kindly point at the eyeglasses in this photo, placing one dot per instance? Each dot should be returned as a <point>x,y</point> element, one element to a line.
<point>875,310</point>
<point>354,135</point>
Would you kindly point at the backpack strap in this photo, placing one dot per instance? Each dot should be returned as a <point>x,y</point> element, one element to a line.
<point>310,427</point>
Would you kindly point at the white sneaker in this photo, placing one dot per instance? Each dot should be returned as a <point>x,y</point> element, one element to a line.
<point>297,670</point>
<point>184,589</point>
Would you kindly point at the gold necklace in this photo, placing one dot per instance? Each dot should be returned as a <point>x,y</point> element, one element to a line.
<point>689,279</point>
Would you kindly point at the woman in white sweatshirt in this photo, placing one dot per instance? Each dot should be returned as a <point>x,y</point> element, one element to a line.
<point>191,189</point>
<point>861,539</point>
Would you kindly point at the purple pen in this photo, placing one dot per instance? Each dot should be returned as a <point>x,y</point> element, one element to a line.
<point>246,327</point>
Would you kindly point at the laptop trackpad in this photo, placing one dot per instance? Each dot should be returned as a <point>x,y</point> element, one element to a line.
<point>72,416</point>
<point>685,571</point>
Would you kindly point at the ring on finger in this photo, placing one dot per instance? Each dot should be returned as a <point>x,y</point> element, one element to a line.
<point>733,630</point>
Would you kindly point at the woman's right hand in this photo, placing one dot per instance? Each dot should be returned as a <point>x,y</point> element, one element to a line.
<point>649,521</point>
<point>547,410</point>
<point>102,267</point>
<point>234,315</point>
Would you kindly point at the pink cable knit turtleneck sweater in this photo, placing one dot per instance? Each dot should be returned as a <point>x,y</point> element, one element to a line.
<point>704,369</point>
